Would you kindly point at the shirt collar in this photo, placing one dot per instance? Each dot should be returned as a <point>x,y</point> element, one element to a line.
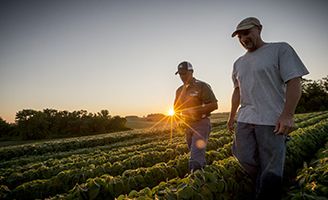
<point>192,82</point>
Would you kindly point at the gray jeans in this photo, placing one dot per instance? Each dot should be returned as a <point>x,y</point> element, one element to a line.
<point>197,137</point>
<point>262,154</point>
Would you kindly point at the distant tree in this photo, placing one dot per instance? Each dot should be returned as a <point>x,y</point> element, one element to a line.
<point>51,116</point>
<point>104,114</point>
<point>32,124</point>
<point>102,121</point>
<point>6,129</point>
<point>24,115</point>
<point>314,96</point>
<point>116,123</point>
<point>60,125</point>
<point>324,83</point>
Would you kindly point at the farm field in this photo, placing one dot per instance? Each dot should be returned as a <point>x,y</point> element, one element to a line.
<point>153,164</point>
<point>141,123</point>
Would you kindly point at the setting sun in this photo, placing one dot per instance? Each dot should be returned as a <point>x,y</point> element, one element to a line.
<point>170,112</point>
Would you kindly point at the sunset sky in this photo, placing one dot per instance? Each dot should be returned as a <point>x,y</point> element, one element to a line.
<point>122,55</point>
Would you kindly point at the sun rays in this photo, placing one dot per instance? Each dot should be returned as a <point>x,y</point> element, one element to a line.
<point>171,121</point>
<point>174,117</point>
<point>171,112</point>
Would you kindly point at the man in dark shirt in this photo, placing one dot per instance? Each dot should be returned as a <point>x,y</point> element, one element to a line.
<point>194,101</point>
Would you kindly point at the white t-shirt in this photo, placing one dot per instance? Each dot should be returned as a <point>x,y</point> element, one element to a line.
<point>261,77</point>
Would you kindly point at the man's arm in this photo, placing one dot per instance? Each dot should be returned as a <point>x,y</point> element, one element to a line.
<point>198,111</point>
<point>209,103</point>
<point>208,108</point>
<point>235,101</point>
<point>293,95</point>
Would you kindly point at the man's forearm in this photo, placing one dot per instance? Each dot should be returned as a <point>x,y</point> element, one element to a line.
<point>208,108</point>
<point>293,95</point>
<point>235,101</point>
<point>200,110</point>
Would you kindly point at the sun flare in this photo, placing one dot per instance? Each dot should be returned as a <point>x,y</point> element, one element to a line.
<point>170,112</point>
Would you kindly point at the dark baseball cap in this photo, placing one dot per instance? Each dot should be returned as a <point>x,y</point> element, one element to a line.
<point>184,66</point>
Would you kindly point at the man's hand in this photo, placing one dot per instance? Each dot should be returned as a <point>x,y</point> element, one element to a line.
<point>230,125</point>
<point>284,125</point>
<point>198,111</point>
<point>190,113</point>
<point>235,101</point>
<point>285,122</point>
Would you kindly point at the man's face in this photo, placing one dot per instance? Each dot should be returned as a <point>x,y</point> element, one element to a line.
<point>249,38</point>
<point>185,76</point>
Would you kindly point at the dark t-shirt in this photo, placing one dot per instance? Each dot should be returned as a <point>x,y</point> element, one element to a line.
<point>196,94</point>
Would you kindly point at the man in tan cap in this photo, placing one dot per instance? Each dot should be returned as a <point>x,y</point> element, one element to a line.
<point>267,87</point>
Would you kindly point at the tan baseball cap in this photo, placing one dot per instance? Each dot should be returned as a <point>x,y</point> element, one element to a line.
<point>245,24</point>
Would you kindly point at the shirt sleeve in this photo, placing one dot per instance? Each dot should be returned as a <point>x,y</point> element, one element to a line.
<point>290,65</point>
<point>234,77</point>
<point>208,94</point>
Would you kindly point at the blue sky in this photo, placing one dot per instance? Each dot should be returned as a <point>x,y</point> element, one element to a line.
<point>122,55</point>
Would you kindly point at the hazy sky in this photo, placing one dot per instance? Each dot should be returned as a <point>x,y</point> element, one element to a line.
<point>122,55</point>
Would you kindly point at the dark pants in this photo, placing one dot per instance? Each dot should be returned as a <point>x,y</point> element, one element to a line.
<point>197,137</point>
<point>262,154</point>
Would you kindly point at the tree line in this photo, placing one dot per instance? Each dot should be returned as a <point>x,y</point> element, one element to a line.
<point>51,123</point>
<point>314,96</point>
<point>31,124</point>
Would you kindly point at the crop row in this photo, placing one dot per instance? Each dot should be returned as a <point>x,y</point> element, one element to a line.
<point>178,188</point>
<point>88,151</point>
<point>313,120</point>
<point>225,179</point>
<point>112,154</point>
<point>312,179</point>
<point>42,170</point>
<point>75,163</point>
<point>61,145</point>
<point>68,178</point>
<point>79,173</point>
<point>52,167</point>
<point>306,116</point>
<point>139,178</point>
